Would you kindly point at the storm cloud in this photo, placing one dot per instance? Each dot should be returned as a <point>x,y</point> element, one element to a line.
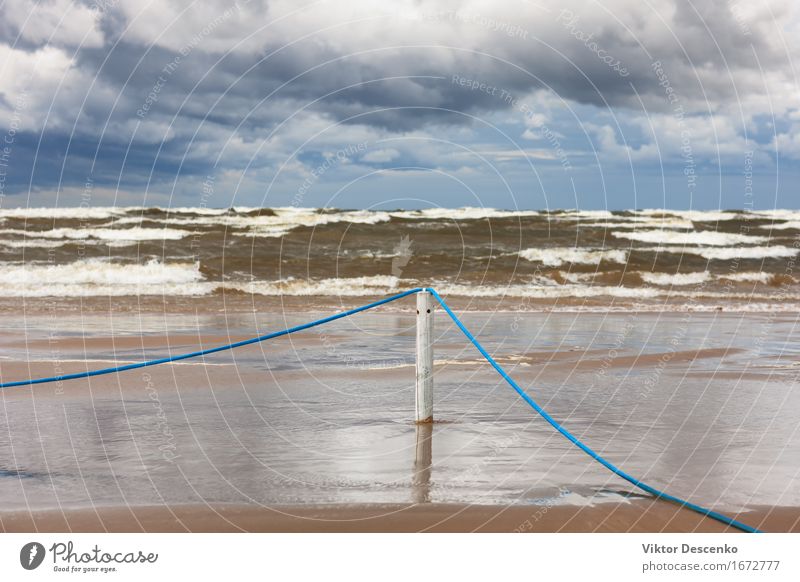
<point>148,101</point>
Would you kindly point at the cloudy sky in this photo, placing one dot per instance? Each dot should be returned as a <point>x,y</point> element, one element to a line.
<point>379,104</point>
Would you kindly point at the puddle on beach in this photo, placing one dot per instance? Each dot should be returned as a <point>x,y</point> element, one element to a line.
<point>326,416</point>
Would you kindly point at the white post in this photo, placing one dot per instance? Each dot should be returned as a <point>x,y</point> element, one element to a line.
<point>424,400</point>
<point>423,459</point>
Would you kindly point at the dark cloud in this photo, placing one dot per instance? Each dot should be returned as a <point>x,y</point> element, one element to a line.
<point>161,91</point>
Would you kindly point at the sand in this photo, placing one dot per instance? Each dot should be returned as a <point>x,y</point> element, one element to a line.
<point>109,414</point>
<point>637,516</point>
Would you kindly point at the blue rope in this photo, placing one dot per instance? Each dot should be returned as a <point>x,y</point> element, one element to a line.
<point>169,359</point>
<point>574,440</point>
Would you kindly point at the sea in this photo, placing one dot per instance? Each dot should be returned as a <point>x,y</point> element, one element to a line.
<point>653,259</point>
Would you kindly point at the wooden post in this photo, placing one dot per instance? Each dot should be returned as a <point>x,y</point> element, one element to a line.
<point>424,399</point>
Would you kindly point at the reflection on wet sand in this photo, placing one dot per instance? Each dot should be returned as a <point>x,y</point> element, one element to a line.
<point>327,419</point>
<point>423,459</point>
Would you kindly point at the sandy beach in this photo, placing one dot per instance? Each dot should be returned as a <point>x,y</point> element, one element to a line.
<point>315,432</point>
<point>642,516</point>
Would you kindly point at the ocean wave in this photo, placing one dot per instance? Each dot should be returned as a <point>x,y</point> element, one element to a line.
<point>728,254</point>
<point>94,277</point>
<point>34,243</point>
<point>381,285</point>
<point>641,223</point>
<point>242,215</point>
<point>462,213</point>
<point>693,215</point>
<point>596,291</point>
<point>776,252</point>
<point>344,286</point>
<point>282,220</point>
<point>545,291</point>
<point>199,210</point>
<point>679,279</point>
<point>275,224</point>
<point>748,277</point>
<point>572,214</point>
<point>79,212</point>
<point>703,238</point>
<point>105,234</point>
<point>790,225</point>
<point>675,279</point>
<point>465,213</point>
<point>557,256</point>
<point>778,214</point>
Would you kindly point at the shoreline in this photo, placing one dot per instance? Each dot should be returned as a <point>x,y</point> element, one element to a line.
<point>242,303</point>
<point>638,516</point>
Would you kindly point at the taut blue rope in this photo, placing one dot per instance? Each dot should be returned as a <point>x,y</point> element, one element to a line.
<point>543,413</point>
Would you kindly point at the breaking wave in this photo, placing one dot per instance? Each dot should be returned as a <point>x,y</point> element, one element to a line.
<point>557,256</point>
<point>94,277</point>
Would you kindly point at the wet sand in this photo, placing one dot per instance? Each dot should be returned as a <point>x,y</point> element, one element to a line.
<point>236,302</point>
<point>313,432</point>
<point>643,516</point>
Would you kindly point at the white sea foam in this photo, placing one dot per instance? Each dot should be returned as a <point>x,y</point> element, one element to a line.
<point>586,291</point>
<point>775,252</point>
<point>679,279</point>
<point>704,238</point>
<point>545,291</point>
<point>574,277</point>
<point>285,219</point>
<point>350,287</point>
<point>466,213</point>
<point>675,279</point>
<point>778,214</point>
<point>790,225</point>
<point>557,256</point>
<point>728,254</point>
<point>291,218</point>
<point>641,222</point>
<point>97,213</point>
<point>94,277</point>
<point>748,277</point>
<point>200,210</point>
<point>573,214</point>
<point>33,243</point>
<point>106,234</point>
<point>366,286</point>
<point>693,215</point>
<point>282,222</point>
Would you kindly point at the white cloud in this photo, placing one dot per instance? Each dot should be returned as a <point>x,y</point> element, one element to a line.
<point>56,22</point>
<point>380,156</point>
<point>27,82</point>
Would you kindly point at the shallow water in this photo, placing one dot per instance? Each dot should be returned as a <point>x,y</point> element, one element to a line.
<point>325,416</point>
